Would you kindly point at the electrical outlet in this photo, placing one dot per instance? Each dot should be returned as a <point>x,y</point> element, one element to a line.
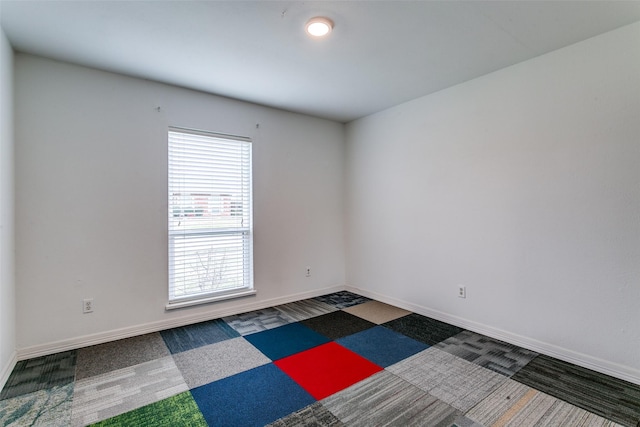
<point>462,291</point>
<point>308,272</point>
<point>87,305</point>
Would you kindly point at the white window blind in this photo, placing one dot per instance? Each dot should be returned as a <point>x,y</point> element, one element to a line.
<point>210,224</point>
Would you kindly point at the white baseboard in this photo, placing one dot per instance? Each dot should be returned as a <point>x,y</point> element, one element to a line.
<point>599,365</point>
<point>6,370</point>
<point>609,368</point>
<point>187,319</point>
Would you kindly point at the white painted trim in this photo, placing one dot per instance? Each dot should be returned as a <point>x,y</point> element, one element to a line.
<point>7,369</point>
<point>599,365</point>
<point>176,305</point>
<point>187,319</point>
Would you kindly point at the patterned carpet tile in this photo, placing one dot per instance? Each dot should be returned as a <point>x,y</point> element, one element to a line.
<point>102,358</point>
<point>178,410</point>
<point>382,346</point>
<point>43,408</point>
<point>336,360</point>
<point>213,362</point>
<point>305,309</point>
<point>197,335</point>
<point>314,415</point>
<point>40,373</point>
<point>286,340</point>
<point>455,381</point>
<point>515,404</point>
<point>601,394</point>
<point>257,321</point>
<point>327,369</point>
<point>337,324</point>
<point>116,392</point>
<point>377,312</point>
<point>256,397</point>
<point>386,400</point>
<point>422,328</point>
<point>465,422</point>
<point>499,356</point>
<point>342,299</point>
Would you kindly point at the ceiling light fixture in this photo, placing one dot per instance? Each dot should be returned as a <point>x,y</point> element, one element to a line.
<point>319,26</point>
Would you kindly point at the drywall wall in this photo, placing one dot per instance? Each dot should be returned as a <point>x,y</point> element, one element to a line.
<point>7,249</point>
<point>91,200</point>
<point>523,186</point>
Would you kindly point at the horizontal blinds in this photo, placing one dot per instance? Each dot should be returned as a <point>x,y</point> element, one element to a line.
<point>209,214</point>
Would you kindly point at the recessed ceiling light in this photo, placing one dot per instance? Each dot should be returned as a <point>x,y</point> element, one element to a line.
<point>319,26</point>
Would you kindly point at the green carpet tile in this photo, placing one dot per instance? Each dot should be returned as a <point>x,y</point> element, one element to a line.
<point>179,410</point>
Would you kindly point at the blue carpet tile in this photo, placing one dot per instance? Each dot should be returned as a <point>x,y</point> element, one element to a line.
<point>317,362</point>
<point>232,402</point>
<point>198,335</point>
<point>286,340</point>
<point>382,346</point>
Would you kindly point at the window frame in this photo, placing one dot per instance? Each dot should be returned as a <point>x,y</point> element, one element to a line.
<point>245,231</point>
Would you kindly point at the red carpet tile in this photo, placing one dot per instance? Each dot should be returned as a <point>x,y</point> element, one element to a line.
<point>327,369</point>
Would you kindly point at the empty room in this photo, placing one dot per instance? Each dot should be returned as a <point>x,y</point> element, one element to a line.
<point>320,213</point>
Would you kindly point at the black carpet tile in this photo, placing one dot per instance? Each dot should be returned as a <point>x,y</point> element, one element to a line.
<point>342,299</point>
<point>40,373</point>
<point>601,394</point>
<point>337,324</point>
<point>423,329</point>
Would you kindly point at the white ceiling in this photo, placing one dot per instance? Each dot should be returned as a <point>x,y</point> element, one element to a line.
<point>381,53</point>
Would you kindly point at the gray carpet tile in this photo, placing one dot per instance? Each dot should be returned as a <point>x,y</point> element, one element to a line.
<point>40,373</point>
<point>216,361</point>
<point>104,396</point>
<point>499,356</point>
<point>314,415</point>
<point>337,324</point>
<point>601,394</point>
<point>305,309</point>
<point>102,358</point>
<point>463,421</point>
<point>515,404</point>
<point>386,400</point>
<point>49,407</point>
<point>197,335</point>
<point>455,381</point>
<point>423,329</point>
<point>342,299</point>
<point>257,321</point>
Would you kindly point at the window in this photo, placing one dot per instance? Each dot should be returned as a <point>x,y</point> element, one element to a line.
<point>210,224</point>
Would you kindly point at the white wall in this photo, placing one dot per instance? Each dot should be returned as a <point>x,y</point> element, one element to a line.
<point>7,247</point>
<point>523,185</point>
<point>91,202</point>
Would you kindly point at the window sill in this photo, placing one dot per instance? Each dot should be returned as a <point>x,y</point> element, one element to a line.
<point>206,300</point>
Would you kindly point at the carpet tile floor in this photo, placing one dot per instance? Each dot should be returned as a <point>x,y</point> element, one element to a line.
<point>336,360</point>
